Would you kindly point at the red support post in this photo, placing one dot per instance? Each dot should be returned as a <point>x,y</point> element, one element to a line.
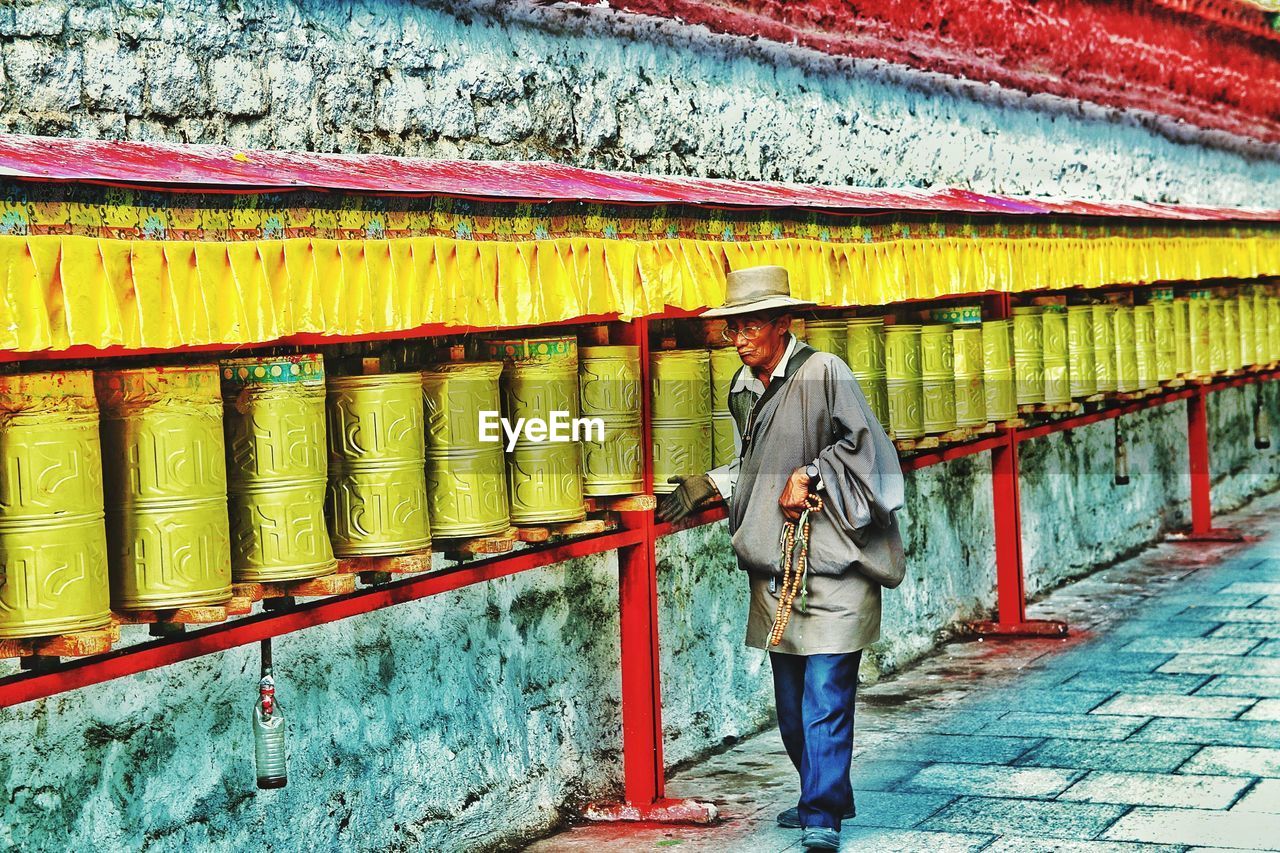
<point>1011,600</point>
<point>1007,513</point>
<point>638,602</point>
<point>641,685</point>
<point>1198,455</point>
<point>1202,529</point>
<point>644,773</point>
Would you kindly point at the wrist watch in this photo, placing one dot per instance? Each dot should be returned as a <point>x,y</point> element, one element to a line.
<point>811,471</point>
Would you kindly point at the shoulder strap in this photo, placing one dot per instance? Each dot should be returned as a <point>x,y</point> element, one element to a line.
<point>803,353</point>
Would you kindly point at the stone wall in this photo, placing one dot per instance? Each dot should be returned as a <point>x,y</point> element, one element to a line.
<point>473,719</point>
<point>444,724</point>
<point>516,80</point>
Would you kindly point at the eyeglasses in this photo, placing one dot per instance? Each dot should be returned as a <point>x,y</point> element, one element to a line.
<point>750,332</point>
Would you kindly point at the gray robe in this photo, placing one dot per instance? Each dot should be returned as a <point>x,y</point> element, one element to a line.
<point>815,411</point>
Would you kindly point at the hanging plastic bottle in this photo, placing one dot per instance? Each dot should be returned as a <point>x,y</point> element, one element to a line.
<point>1261,424</point>
<point>1121,458</point>
<point>269,747</point>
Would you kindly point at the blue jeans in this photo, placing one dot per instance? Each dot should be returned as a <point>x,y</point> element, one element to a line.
<point>814,695</point>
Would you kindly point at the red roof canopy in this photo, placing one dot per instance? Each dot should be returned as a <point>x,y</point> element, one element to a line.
<point>166,166</point>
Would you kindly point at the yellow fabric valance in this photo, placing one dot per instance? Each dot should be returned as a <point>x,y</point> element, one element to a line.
<point>69,290</point>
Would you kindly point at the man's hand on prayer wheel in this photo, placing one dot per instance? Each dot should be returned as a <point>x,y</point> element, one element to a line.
<point>795,494</point>
<point>690,493</point>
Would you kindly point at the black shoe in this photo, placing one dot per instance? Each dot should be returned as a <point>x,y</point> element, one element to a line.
<point>790,819</point>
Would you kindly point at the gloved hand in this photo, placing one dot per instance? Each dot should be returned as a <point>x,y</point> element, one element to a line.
<point>690,493</point>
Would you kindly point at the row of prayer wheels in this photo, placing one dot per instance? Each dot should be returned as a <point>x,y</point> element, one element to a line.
<point>154,488</point>
<point>926,378</point>
<point>958,371</point>
<point>141,489</point>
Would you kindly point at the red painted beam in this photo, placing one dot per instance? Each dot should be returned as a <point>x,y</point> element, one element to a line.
<point>1192,61</point>
<point>955,451</point>
<point>715,512</point>
<point>218,638</point>
<point>1076,421</point>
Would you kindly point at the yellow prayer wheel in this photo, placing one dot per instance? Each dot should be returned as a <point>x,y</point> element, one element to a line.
<point>1104,346</point>
<point>1165,320</point>
<point>544,478</point>
<point>1217,335</point>
<point>1126,349</point>
<point>1082,369</point>
<point>539,379</point>
<point>681,407</point>
<point>53,542</point>
<point>681,385</point>
<point>1248,341</point>
<point>997,346</point>
<point>377,495</point>
<point>1199,334</point>
<point>1182,336</point>
<point>903,380</point>
<point>829,336</point>
<point>1028,354</point>
<point>997,372</point>
<point>1144,331</point>
<point>971,403</point>
<point>865,355</point>
<point>1273,327</point>
<point>970,359</point>
<point>466,472</point>
<point>1231,332</point>
<point>1057,377</point>
<point>725,364</point>
<point>876,390</point>
<point>723,447</point>
<point>609,383</point>
<point>165,482</point>
<point>273,418</point>
<point>1261,349</point>
<point>467,492</point>
<point>938,377</point>
<point>865,345</point>
<point>680,448</point>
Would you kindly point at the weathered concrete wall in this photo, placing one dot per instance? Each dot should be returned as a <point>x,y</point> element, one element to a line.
<point>948,534</point>
<point>1074,515</point>
<point>464,721</point>
<point>445,724</point>
<point>714,687</point>
<point>1238,469</point>
<point>515,80</point>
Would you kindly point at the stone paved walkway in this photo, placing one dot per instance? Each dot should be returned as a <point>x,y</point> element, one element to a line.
<point>1155,727</point>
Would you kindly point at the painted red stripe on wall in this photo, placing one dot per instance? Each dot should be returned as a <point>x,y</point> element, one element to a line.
<point>1197,61</point>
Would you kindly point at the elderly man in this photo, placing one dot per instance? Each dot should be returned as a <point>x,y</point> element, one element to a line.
<point>806,440</point>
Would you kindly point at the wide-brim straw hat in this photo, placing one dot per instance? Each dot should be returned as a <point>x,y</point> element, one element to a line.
<point>754,289</point>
